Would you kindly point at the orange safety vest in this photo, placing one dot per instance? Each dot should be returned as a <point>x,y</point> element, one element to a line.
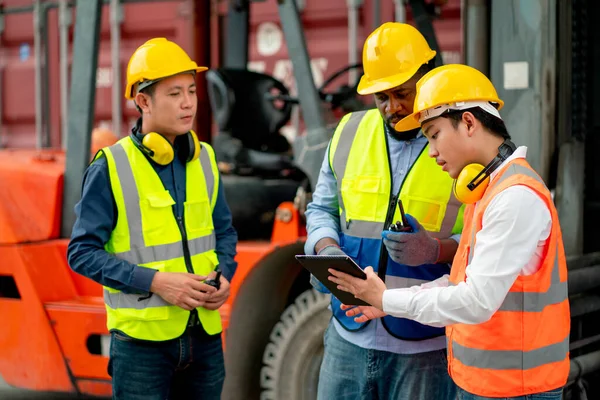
<point>524,348</point>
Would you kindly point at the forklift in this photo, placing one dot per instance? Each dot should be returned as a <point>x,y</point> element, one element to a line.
<point>274,321</point>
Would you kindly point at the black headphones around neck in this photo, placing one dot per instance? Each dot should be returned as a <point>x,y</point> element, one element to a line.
<point>158,148</point>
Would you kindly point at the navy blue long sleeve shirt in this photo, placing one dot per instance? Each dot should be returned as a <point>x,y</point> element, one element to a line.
<point>96,214</point>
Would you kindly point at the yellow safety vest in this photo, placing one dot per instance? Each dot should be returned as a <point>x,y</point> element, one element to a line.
<point>359,159</point>
<point>147,233</point>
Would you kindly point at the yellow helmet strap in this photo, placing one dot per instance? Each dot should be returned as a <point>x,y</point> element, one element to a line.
<point>472,182</point>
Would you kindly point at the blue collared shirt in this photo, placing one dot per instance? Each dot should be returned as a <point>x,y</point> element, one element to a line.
<point>96,215</point>
<point>322,217</point>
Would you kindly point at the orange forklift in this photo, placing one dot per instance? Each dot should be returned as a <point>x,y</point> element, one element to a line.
<point>54,336</point>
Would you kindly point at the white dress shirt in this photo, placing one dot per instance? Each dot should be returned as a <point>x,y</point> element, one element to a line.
<point>516,225</point>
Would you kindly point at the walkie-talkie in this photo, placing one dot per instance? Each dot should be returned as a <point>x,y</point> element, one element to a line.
<point>402,225</point>
<point>216,283</point>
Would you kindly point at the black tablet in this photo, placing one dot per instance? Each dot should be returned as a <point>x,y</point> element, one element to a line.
<point>319,265</point>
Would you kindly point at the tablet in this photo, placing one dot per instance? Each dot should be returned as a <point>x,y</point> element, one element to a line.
<point>319,265</point>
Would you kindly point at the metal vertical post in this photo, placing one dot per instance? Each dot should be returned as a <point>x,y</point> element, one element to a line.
<point>296,44</point>
<point>46,142</point>
<point>309,149</point>
<point>400,11</point>
<point>376,14</point>
<point>64,20</point>
<point>425,26</point>
<point>116,18</point>
<point>238,21</point>
<point>81,104</point>
<point>476,34</point>
<point>353,6</point>
<point>37,51</point>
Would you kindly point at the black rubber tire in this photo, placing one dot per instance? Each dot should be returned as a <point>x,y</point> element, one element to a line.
<point>292,358</point>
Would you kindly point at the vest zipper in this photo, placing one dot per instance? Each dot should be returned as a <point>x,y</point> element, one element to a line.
<point>194,319</point>
<point>186,249</point>
<point>383,254</point>
<point>188,262</point>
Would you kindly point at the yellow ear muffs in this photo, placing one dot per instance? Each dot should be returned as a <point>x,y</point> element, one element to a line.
<point>194,146</point>
<point>161,150</point>
<point>471,184</point>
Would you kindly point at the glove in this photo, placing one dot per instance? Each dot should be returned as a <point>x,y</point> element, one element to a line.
<point>330,250</point>
<point>411,248</point>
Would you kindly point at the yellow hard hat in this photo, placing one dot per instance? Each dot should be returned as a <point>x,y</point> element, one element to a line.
<point>454,87</point>
<point>157,58</point>
<point>391,56</point>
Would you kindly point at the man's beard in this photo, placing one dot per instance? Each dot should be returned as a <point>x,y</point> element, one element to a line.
<point>407,135</point>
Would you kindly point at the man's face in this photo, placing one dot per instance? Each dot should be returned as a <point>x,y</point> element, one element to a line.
<point>450,146</point>
<point>172,108</point>
<point>397,103</point>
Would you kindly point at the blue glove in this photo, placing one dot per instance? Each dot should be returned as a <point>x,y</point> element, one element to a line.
<point>412,248</point>
<point>325,251</point>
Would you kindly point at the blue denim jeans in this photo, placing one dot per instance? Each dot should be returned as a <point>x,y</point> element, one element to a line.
<point>351,372</point>
<point>189,367</point>
<point>551,395</point>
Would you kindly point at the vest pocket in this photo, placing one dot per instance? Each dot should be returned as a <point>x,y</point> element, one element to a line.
<point>363,197</point>
<point>156,210</point>
<point>429,212</point>
<point>198,217</point>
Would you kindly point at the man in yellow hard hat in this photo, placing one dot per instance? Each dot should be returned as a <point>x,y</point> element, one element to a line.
<point>153,228</point>
<point>505,303</point>
<point>369,169</point>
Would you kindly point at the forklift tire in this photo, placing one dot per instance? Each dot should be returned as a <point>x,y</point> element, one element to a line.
<point>292,358</point>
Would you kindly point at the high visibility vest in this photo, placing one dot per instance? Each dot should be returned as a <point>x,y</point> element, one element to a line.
<point>148,233</point>
<point>360,162</point>
<point>524,347</point>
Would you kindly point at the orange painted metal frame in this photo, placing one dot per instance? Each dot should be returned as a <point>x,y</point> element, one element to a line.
<point>44,344</point>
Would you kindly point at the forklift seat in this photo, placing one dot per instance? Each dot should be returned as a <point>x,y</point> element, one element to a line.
<point>243,108</point>
<point>249,121</point>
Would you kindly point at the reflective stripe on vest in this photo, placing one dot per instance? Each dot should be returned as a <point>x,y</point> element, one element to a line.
<point>360,163</point>
<point>147,233</point>
<point>524,347</point>
<point>140,253</point>
<point>373,229</point>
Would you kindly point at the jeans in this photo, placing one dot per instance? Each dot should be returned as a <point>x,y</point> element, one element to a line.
<point>352,372</point>
<point>189,367</point>
<point>551,395</point>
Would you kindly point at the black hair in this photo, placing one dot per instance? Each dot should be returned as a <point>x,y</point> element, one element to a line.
<point>490,122</point>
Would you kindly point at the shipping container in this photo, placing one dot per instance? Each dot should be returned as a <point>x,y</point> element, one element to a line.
<point>33,93</point>
<point>332,43</point>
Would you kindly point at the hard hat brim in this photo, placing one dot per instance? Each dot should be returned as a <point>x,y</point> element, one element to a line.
<point>129,95</point>
<point>408,123</point>
<point>366,86</point>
